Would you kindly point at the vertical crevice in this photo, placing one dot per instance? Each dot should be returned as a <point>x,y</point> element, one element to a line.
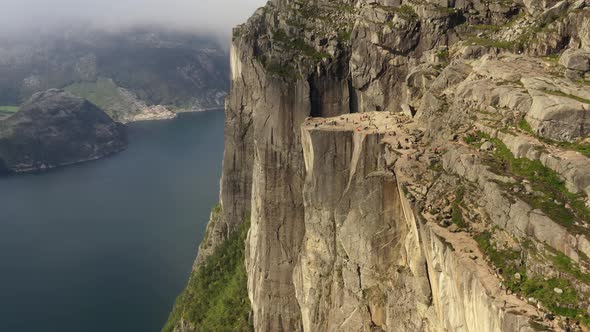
<point>352,98</point>
<point>315,99</point>
<point>358,271</point>
<point>429,282</point>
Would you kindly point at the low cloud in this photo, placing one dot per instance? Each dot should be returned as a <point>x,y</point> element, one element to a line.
<point>217,16</point>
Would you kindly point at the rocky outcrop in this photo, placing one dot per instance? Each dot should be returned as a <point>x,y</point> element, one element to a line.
<point>383,152</point>
<point>369,258</point>
<point>55,128</point>
<point>577,60</point>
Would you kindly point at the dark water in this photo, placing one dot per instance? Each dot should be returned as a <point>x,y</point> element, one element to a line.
<point>108,245</point>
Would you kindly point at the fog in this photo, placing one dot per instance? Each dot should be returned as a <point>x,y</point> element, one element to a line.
<point>217,16</point>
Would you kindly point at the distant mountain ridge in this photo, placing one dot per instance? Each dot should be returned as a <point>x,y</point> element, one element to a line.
<point>125,72</point>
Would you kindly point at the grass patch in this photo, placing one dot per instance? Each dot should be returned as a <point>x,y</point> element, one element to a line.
<point>457,213</point>
<point>564,304</point>
<point>476,139</point>
<point>583,148</point>
<point>505,261</point>
<point>563,94</point>
<point>286,71</point>
<point>436,167</point>
<point>525,126</point>
<point>298,44</point>
<point>216,298</point>
<point>345,36</point>
<point>443,56</point>
<point>406,12</point>
<point>105,94</point>
<point>545,181</point>
<point>9,109</point>
<point>217,209</point>
<point>564,264</point>
<point>471,139</point>
<point>102,93</point>
<point>350,9</point>
<point>553,59</point>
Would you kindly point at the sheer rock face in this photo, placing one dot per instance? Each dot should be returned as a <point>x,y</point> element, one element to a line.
<point>349,214</point>
<point>360,263</point>
<point>55,128</point>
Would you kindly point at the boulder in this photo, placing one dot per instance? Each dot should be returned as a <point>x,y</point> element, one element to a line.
<point>558,116</point>
<point>578,60</point>
<point>487,146</point>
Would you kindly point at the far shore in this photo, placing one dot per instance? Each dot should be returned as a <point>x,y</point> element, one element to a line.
<point>184,110</point>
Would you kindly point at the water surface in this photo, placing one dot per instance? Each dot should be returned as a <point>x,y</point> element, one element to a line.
<point>108,245</point>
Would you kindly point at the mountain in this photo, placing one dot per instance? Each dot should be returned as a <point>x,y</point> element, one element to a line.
<point>55,128</point>
<point>126,72</point>
<point>415,165</point>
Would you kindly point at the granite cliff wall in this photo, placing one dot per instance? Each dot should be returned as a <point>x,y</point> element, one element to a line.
<point>385,154</point>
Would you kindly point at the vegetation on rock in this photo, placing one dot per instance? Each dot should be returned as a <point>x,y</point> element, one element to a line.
<point>509,264</point>
<point>9,109</point>
<point>552,193</point>
<point>216,298</point>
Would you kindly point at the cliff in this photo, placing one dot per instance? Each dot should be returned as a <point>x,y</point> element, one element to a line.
<point>410,165</point>
<point>55,128</point>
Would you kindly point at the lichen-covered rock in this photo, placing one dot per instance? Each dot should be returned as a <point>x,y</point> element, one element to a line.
<point>578,60</point>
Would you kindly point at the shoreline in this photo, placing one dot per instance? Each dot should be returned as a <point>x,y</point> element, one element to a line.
<point>201,110</point>
<point>177,114</point>
<point>52,168</point>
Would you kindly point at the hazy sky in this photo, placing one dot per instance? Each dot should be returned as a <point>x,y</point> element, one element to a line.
<point>20,15</point>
